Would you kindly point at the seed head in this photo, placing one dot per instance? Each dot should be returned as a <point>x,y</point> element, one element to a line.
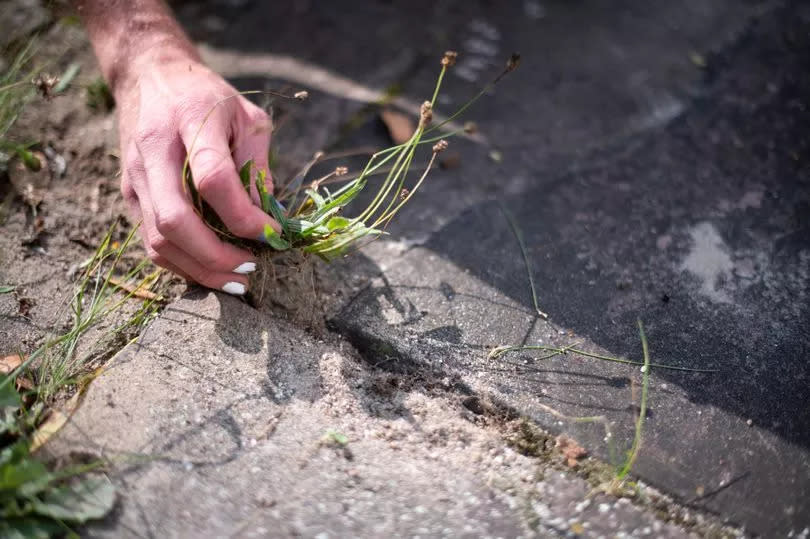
<point>449,58</point>
<point>340,171</point>
<point>425,114</point>
<point>404,194</point>
<point>301,96</point>
<point>440,146</point>
<point>44,84</point>
<point>513,62</point>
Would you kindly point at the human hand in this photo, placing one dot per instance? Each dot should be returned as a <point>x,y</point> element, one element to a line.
<point>162,105</point>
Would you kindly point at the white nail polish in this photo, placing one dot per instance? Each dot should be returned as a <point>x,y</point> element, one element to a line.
<point>245,268</point>
<point>237,289</point>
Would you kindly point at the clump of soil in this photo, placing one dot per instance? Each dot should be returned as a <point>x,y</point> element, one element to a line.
<point>285,283</point>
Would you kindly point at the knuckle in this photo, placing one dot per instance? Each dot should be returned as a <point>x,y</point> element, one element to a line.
<point>168,222</point>
<point>149,133</point>
<point>193,107</point>
<point>156,244</point>
<point>258,117</point>
<point>215,173</point>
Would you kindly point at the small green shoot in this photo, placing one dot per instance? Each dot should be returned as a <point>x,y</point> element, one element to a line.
<point>7,289</point>
<point>645,384</point>
<point>67,77</point>
<point>335,438</point>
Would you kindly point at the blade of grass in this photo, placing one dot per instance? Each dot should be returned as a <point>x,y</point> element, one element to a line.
<point>519,237</point>
<point>645,384</point>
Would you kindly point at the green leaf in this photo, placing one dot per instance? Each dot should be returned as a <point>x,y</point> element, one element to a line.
<point>244,174</point>
<point>29,528</point>
<point>261,186</point>
<point>338,222</point>
<point>8,395</point>
<point>30,160</point>
<point>336,245</point>
<point>337,437</point>
<point>277,211</point>
<point>67,77</point>
<point>79,502</point>
<point>275,241</point>
<point>7,288</point>
<point>351,191</point>
<point>316,198</point>
<point>18,470</point>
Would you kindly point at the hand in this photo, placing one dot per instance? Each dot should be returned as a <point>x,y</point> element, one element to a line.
<point>162,106</point>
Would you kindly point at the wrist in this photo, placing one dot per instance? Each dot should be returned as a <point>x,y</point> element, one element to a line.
<point>130,37</point>
<point>160,53</point>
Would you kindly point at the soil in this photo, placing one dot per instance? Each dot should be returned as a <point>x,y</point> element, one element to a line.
<point>54,220</point>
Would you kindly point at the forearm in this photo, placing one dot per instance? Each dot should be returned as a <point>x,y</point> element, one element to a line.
<point>126,34</point>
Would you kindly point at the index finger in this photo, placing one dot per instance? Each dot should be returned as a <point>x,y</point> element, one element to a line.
<point>217,181</point>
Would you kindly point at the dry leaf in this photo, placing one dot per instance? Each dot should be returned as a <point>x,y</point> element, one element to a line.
<point>136,291</point>
<point>9,363</point>
<point>571,450</point>
<point>400,126</point>
<point>56,420</point>
<point>7,366</point>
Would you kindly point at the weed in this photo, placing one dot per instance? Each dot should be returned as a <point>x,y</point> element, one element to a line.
<point>645,383</point>
<point>36,502</point>
<point>15,88</point>
<point>310,215</point>
<point>618,484</point>
<point>95,298</point>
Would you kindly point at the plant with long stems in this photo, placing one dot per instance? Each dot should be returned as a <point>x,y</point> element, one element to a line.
<point>314,223</point>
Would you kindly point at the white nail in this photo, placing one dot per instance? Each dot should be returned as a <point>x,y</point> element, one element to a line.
<point>237,289</point>
<point>245,267</point>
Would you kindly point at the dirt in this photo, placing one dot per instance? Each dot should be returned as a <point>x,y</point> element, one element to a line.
<point>54,220</point>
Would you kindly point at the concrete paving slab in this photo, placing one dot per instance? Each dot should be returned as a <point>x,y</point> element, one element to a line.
<point>699,230</point>
<point>238,420</point>
<point>224,422</point>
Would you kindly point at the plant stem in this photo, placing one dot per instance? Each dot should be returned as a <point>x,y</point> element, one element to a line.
<point>645,384</point>
<point>497,352</point>
<point>519,236</point>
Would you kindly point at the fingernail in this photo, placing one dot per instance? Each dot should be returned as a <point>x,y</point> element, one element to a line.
<point>236,289</point>
<point>245,268</point>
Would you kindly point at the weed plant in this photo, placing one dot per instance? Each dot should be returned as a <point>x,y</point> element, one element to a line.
<point>311,215</point>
